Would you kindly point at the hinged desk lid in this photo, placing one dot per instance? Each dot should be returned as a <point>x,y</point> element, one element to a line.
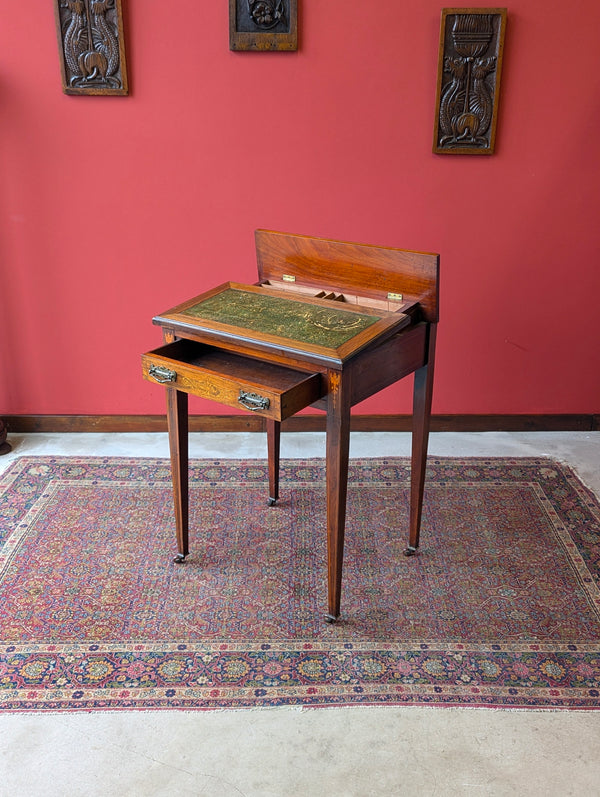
<point>320,328</point>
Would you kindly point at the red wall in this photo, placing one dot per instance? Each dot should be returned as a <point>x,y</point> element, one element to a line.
<point>114,209</point>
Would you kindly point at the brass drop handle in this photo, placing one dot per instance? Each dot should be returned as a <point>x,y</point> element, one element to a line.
<point>162,374</point>
<point>252,401</point>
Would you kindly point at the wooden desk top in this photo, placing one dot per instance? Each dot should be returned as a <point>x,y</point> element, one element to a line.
<point>331,329</point>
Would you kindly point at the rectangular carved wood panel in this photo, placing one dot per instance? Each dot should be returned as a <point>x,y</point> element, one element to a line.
<point>468,89</point>
<point>263,25</point>
<point>91,46</point>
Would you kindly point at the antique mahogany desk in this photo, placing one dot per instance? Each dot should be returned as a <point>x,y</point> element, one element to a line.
<point>327,324</point>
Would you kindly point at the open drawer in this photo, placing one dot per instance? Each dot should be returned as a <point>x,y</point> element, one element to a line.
<point>264,388</point>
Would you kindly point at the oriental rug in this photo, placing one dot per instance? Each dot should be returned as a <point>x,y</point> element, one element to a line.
<point>501,607</point>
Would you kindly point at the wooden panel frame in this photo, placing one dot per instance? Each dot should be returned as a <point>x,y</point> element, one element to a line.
<point>263,25</point>
<point>468,86</point>
<point>91,45</point>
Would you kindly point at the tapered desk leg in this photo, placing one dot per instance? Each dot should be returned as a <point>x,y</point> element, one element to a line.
<point>422,395</point>
<point>273,448</point>
<point>177,419</point>
<point>337,450</point>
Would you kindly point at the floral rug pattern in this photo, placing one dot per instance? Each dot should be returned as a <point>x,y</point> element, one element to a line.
<point>500,608</point>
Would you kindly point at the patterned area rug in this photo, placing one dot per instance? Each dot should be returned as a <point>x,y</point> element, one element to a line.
<point>501,607</point>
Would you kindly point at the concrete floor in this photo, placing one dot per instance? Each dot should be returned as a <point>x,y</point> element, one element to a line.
<point>352,752</point>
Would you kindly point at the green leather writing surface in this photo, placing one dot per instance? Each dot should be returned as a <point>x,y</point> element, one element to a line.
<point>287,318</point>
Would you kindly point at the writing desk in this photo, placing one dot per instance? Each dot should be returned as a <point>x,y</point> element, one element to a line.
<point>328,324</point>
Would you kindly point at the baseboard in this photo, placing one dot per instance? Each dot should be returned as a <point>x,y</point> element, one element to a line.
<point>302,423</point>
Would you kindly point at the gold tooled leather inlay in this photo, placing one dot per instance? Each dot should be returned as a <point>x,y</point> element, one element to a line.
<point>286,318</point>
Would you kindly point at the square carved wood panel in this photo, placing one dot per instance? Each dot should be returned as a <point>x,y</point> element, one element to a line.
<point>263,25</point>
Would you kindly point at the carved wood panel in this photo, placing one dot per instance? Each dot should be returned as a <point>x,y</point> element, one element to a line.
<point>91,46</point>
<point>263,25</point>
<point>469,69</point>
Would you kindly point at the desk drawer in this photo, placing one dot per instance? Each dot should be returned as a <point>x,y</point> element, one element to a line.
<point>264,388</point>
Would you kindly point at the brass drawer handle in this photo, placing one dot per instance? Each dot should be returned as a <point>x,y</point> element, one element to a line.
<point>252,401</point>
<point>162,374</point>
